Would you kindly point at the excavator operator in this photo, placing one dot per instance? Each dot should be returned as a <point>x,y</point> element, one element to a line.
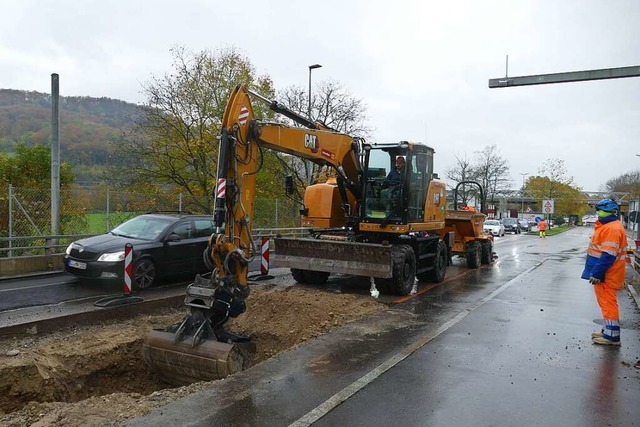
<point>396,176</point>
<point>393,185</point>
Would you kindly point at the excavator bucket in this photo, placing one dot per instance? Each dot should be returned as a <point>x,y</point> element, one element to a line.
<point>182,363</point>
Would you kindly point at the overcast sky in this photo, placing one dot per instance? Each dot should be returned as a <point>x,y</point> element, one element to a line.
<point>421,67</point>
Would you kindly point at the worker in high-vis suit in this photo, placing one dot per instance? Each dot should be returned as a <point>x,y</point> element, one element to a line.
<point>605,269</point>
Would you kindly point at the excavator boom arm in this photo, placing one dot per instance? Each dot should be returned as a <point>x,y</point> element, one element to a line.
<point>243,136</point>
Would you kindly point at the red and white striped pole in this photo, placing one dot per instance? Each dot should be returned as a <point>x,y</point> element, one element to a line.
<point>128,267</point>
<point>264,263</point>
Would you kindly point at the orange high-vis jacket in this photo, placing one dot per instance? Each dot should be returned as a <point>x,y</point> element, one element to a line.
<point>607,253</point>
<point>542,225</point>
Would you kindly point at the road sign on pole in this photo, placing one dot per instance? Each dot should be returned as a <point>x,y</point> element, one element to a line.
<point>548,206</point>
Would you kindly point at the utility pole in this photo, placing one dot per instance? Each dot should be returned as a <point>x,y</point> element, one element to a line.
<point>55,155</point>
<point>522,191</point>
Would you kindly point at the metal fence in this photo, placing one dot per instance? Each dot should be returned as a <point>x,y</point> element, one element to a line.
<point>56,244</point>
<point>25,214</point>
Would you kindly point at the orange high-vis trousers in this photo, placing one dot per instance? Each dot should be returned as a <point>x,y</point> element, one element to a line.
<point>607,298</point>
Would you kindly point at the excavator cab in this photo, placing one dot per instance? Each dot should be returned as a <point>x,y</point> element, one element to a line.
<point>392,194</point>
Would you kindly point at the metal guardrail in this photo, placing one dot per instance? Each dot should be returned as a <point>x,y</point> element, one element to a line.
<point>57,244</point>
<point>43,245</point>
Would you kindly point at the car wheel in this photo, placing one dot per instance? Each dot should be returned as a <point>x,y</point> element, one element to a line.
<point>144,274</point>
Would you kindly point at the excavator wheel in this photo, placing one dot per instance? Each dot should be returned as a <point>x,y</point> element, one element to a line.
<point>404,272</point>
<point>439,265</point>
<point>309,277</point>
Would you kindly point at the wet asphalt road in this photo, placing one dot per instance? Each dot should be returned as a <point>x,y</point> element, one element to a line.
<point>47,289</point>
<point>503,345</point>
<point>54,288</point>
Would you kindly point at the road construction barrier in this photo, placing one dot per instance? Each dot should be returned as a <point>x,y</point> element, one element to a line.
<point>264,263</point>
<point>125,298</point>
<point>128,267</point>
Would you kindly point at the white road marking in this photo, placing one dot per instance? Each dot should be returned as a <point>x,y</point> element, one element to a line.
<point>344,394</point>
<point>35,286</point>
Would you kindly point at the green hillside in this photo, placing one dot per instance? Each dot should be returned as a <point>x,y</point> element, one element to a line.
<point>88,127</point>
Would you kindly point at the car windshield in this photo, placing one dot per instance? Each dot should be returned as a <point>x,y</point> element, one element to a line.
<point>508,221</point>
<point>142,227</point>
<point>492,222</point>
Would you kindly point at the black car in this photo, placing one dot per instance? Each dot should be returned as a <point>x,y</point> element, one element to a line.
<point>511,225</point>
<point>164,245</point>
<point>525,225</point>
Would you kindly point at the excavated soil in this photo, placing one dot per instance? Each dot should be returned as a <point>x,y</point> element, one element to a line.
<point>95,376</point>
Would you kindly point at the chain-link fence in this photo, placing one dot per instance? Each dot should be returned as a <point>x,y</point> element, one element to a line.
<point>96,210</point>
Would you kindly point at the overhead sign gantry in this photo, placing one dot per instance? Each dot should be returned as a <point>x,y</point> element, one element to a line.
<point>571,76</point>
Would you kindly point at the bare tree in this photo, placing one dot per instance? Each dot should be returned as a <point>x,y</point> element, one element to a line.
<point>463,170</point>
<point>556,171</point>
<point>628,182</point>
<point>492,171</point>
<point>332,105</point>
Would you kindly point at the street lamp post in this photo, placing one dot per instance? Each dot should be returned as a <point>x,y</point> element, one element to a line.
<point>522,192</point>
<point>309,164</point>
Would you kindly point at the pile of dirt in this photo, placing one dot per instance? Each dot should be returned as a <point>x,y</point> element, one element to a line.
<point>93,376</point>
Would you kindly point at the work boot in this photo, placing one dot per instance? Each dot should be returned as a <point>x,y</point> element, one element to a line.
<point>597,334</point>
<point>603,341</point>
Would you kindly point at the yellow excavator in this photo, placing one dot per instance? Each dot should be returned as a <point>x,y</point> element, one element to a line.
<point>363,221</point>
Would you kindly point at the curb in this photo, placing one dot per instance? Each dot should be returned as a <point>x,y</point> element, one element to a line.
<point>634,294</point>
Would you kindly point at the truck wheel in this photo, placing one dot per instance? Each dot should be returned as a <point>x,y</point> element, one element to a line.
<point>404,270</point>
<point>487,251</point>
<point>439,265</point>
<point>473,254</point>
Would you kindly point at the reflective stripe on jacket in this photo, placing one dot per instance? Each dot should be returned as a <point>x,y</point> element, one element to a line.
<point>607,252</point>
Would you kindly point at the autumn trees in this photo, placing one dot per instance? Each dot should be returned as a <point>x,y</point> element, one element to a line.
<point>554,182</point>
<point>174,143</point>
<point>491,170</point>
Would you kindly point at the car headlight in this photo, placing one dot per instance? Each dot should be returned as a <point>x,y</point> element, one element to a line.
<point>68,251</point>
<point>112,257</point>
